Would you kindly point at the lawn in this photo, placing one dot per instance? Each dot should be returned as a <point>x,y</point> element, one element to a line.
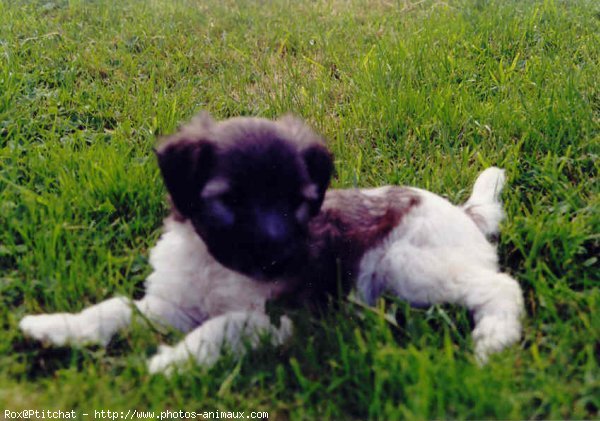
<point>424,93</point>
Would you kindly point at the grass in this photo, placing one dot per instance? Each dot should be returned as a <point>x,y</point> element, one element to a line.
<point>423,93</point>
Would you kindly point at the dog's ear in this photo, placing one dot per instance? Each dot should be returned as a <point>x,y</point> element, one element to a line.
<point>318,159</point>
<point>185,165</point>
<point>319,164</point>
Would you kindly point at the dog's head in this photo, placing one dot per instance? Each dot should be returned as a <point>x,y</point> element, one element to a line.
<point>249,187</point>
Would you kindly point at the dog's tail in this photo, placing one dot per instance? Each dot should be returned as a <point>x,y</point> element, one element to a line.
<point>484,206</point>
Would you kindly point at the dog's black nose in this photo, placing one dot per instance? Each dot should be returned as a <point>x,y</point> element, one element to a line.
<point>274,228</point>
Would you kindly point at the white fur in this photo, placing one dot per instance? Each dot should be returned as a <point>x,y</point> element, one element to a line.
<point>187,290</point>
<point>485,200</point>
<point>438,253</point>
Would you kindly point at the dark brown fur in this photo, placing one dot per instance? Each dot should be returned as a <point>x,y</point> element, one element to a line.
<point>350,224</point>
<point>267,166</point>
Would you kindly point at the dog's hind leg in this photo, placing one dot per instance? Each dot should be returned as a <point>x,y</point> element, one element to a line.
<point>496,300</point>
<point>233,331</point>
<point>98,323</point>
<point>425,276</point>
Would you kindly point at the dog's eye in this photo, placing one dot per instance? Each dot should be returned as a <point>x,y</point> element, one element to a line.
<point>229,199</point>
<point>302,212</point>
<point>310,192</point>
<point>220,213</point>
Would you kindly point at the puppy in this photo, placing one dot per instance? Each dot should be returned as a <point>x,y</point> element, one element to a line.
<point>252,222</point>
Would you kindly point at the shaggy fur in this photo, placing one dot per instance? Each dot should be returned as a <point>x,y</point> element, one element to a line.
<point>398,240</point>
<point>249,187</point>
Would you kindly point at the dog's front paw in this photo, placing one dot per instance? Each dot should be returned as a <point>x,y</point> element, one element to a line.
<point>64,329</point>
<point>160,363</point>
<point>165,361</point>
<point>170,359</point>
<point>48,328</point>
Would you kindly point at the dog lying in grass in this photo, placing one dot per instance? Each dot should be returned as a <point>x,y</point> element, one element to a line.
<point>253,221</point>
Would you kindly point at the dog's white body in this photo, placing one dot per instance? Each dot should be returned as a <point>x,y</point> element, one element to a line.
<point>438,253</point>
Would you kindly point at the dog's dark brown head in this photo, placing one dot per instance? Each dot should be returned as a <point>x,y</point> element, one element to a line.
<point>249,186</point>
